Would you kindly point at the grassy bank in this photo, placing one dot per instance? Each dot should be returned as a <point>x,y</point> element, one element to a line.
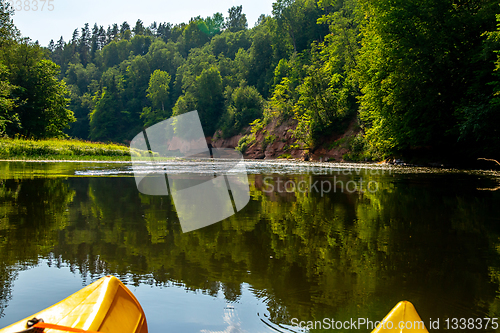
<point>56,149</point>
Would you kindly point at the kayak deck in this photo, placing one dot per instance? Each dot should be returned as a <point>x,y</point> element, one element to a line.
<point>104,306</point>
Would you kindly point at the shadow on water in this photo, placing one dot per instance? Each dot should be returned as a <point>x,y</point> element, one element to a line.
<point>351,252</point>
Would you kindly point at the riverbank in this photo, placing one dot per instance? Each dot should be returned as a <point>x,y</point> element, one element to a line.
<point>276,139</point>
<point>337,149</point>
<point>58,149</point>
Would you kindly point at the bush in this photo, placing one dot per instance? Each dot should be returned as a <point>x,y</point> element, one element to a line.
<point>360,150</point>
<point>245,142</point>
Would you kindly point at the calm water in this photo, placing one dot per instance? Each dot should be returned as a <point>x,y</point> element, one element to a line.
<point>376,237</point>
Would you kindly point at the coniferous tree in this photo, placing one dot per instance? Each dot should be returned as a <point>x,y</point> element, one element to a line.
<point>237,20</point>
<point>165,31</point>
<point>124,27</point>
<point>75,37</point>
<point>125,32</point>
<point>107,121</point>
<point>139,28</point>
<point>114,32</point>
<point>51,46</point>
<point>8,31</point>
<point>109,35</point>
<point>101,38</point>
<point>153,28</point>
<point>94,41</point>
<point>84,44</point>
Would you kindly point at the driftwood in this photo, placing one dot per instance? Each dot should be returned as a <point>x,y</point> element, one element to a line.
<point>489,189</point>
<point>488,159</point>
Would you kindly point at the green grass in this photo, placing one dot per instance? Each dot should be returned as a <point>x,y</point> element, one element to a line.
<point>56,149</point>
<point>286,156</point>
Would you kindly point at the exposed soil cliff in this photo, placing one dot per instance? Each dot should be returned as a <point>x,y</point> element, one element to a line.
<point>276,140</point>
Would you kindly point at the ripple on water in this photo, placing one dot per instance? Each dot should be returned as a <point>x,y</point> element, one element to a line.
<point>266,167</point>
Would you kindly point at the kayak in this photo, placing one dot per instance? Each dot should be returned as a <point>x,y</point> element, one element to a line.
<point>402,318</point>
<point>104,306</point>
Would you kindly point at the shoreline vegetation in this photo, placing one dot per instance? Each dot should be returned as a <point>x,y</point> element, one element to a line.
<point>64,149</point>
<point>73,150</point>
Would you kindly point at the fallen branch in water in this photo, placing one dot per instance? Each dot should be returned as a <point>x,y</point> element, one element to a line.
<point>488,159</point>
<point>489,189</point>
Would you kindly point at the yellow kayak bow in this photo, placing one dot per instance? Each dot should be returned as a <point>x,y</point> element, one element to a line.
<point>401,319</point>
<point>105,306</point>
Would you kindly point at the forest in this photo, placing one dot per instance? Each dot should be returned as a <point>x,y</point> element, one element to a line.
<point>419,77</point>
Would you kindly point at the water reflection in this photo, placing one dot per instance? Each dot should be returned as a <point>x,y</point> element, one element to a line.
<point>432,238</point>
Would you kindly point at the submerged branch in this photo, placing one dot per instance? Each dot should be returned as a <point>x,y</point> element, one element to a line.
<point>488,159</point>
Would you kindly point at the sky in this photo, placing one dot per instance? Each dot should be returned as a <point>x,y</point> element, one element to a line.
<point>67,15</point>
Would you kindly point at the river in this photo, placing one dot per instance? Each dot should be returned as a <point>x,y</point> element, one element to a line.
<point>315,241</point>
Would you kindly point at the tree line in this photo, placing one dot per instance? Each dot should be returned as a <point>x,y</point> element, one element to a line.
<point>419,77</point>
<point>122,79</point>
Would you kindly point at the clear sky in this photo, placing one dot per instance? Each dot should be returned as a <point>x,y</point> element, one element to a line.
<point>67,15</point>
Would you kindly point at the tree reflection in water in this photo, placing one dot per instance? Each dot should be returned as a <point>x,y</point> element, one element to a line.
<point>431,238</point>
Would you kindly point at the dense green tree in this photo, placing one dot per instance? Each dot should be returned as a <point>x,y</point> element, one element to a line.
<point>84,44</point>
<point>108,119</point>
<point>136,81</point>
<point>198,60</point>
<point>139,28</point>
<point>229,43</point>
<point>82,83</point>
<point>158,95</point>
<point>112,33</point>
<point>242,63</point>
<point>193,36</point>
<point>158,88</point>
<point>479,115</point>
<point>40,103</point>
<point>115,53</point>
<point>236,20</point>
<point>94,41</point>
<point>8,36</point>
<point>244,105</point>
<point>214,24</point>
<point>326,95</point>
<point>101,37</point>
<point>287,18</point>
<point>297,22</point>
<point>206,95</point>
<point>125,32</point>
<point>414,71</point>
<point>164,57</point>
<point>7,102</point>
<point>8,31</point>
<point>57,54</point>
<point>44,114</point>
<point>140,44</point>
